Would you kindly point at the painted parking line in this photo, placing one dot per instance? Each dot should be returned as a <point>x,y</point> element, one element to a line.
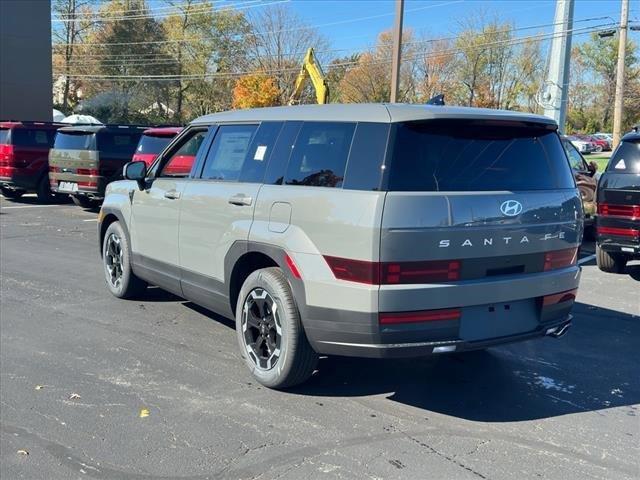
<point>32,206</point>
<point>90,220</point>
<point>586,259</point>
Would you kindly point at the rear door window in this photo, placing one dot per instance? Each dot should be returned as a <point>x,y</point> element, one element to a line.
<point>477,156</point>
<point>320,154</point>
<point>75,141</point>
<point>228,151</point>
<point>27,137</point>
<point>119,144</point>
<point>260,152</point>
<point>626,158</point>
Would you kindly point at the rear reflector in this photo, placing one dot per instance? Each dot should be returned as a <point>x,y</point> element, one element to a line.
<point>293,268</point>
<point>395,318</point>
<point>628,211</point>
<point>618,232</point>
<point>556,298</point>
<point>560,258</point>
<point>390,273</point>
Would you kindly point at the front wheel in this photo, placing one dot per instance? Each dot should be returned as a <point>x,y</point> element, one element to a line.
<point>13,194</point>
<point>270,334</point>
<point>610,262</point>
<point>116,259</point>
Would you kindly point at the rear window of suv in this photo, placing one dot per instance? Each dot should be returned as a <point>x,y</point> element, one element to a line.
<point>27,137</point>
<point>153,143</point>
<point>74,141</point>
<point>626,158</point>
<point>454,155</point>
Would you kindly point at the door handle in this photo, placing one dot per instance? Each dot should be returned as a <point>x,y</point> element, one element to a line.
<point>172,195</point>
<point>241,199</point>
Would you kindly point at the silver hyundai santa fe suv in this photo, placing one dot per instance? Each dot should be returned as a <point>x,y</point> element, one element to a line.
<point>378,230</point>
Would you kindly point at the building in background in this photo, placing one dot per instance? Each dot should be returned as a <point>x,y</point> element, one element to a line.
<point>25,60</point>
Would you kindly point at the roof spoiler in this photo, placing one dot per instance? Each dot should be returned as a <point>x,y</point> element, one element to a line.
<point>437,100</point>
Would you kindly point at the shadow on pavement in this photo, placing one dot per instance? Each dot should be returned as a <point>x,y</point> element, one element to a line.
<point>592,368</point>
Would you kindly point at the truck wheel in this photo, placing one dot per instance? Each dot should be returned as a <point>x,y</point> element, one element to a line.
<point>82,201</point>
<point>9,193</point>
<point>610,262</point>
<point>116,258</point>
<point>270,334</point>
<point>43,190</point>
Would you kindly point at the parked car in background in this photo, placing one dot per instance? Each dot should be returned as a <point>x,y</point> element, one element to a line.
<point>361,230</point>
<point>583,146</point>
<point>600,145</point>
<point>605,138</point>
<point>584,174</point>
<point>618,198</point>
<point>24,158</point>
<point>84,159</point>
<point>152,142</point>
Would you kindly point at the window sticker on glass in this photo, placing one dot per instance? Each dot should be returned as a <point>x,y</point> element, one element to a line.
<point>621,165</point>
<point>260,152</point>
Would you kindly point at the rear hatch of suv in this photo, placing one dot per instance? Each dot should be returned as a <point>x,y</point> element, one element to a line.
<point>477,213</point>
<point>618,221</point>
<point>73,161</point>
<point>152,142</point>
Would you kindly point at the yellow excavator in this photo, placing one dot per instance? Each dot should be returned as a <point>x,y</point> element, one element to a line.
<point>310,69</point>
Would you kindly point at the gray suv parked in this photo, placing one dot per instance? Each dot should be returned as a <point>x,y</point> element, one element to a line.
<point>363,230</point>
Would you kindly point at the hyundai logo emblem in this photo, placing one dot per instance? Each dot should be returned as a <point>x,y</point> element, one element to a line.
<point>511,208</point>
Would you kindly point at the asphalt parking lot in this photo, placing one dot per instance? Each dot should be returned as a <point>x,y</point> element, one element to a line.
<point>78,367</point>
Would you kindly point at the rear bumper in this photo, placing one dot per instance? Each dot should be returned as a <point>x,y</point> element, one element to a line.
<point>425,348</point>
<point>493,311</point>
<point>88,185</point>
<point>16,178</point>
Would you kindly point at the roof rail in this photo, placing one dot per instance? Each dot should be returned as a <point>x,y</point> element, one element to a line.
<point>33,122</point>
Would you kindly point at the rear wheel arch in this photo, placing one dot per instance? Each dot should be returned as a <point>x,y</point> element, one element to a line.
<point>244,266</point>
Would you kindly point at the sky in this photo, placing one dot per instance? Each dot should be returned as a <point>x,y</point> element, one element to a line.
<point>354,24</point>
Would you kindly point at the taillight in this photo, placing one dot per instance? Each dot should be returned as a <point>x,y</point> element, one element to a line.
<point>627,211</point>
<point>420,272</point>
<point>556,298</point>
<point>7,154</point>
<point>392,273</point>
<point>618,232</point>
<point>354,270</point>
<point>395,318</point>
<point>560,258</point>
<point>88,171</point>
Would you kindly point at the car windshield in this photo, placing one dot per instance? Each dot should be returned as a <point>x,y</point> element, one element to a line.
<point>153,144</point>
<point>74,141</point>
<point>626,158</point>
<point>463,156</point>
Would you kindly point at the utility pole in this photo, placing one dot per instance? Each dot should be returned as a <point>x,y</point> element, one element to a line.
<point>557,84</point>
<point>618,106</point>
<point>397,47</point>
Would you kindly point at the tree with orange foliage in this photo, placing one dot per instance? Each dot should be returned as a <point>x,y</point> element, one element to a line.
<point>255,90</point>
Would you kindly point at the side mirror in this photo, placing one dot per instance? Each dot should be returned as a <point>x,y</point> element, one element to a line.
<point>135,171</point>
<point>593,168</point>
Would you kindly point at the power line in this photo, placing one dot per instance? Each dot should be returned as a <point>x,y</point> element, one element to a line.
<point>508,42</point>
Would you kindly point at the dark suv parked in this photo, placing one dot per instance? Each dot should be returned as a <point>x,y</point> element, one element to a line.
<point>618,221</point>
<point>84,159</point>
<point>24,152</point>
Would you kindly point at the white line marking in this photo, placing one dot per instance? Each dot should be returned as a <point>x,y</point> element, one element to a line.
<point>586,259</point>
<point>32,206</point>
<point>90,220</point>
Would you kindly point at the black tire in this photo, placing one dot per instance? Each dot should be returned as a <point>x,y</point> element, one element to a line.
<point>13,194</point>
<point>610,262</point>
<point>599,148</point>
<point>116,261</point>
<point>84,202</point>
<point>291,359</point>
<point>43,190</point>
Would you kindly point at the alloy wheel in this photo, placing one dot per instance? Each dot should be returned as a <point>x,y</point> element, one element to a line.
<point>113,260</point>
<point>261,329</point>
